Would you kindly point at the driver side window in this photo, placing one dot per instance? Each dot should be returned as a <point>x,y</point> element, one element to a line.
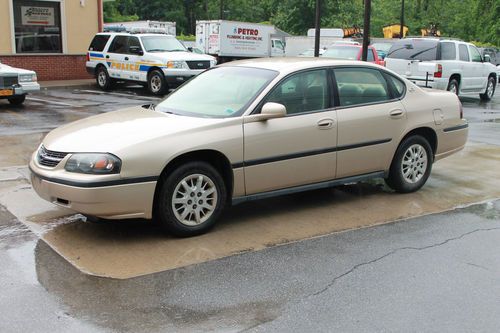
<point>302,92</point>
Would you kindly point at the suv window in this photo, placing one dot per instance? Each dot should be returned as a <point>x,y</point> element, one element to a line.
<point>370,56</point>
<point>98,43</point>
<point>360,86</point>
<point>119,45</point>
<point>476,56</point>
<point>133,41</point>
<point>463,53</point>
<point>418,49</point>
<point>302,92</point>
<point>448,51</point>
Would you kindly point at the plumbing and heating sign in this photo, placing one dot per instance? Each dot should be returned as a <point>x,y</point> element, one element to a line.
<point>37,15</point>
<point>252,40</point>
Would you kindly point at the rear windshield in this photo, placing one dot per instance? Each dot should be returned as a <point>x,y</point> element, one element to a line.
<point>98,43</point>
<point>414,49</point>
<point>342,52</point>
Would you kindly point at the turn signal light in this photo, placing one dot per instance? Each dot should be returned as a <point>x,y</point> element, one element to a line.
<point>88,56</point>
<point>439,72</point>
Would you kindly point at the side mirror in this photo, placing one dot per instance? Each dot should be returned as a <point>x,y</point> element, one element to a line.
<point>487,58</point>
<point>190,48</point>
<point>269,110</point>
<point>136,50</point>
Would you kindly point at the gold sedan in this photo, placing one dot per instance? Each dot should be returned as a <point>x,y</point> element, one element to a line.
<point>249,130</point>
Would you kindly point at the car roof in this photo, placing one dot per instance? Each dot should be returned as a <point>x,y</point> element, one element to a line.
<point>291,64</point>
<point>129,34</point>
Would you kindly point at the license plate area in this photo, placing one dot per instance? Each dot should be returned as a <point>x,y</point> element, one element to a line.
<point>6,92</point>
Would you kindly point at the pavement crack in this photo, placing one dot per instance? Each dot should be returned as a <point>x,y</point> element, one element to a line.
<point>354,268</point>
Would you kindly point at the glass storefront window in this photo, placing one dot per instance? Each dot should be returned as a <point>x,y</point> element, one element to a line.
<point>37,26</point>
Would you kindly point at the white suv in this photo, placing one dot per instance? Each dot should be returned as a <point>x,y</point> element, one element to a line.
<point>444,64</point>
<point>159,61</point>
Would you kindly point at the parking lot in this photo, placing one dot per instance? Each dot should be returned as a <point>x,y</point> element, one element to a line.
<point>302,262</point>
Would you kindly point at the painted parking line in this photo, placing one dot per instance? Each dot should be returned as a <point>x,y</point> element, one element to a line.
<point>52,102</point>
<point>120,94</point>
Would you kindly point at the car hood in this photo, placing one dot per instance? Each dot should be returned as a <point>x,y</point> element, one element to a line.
<point>117,130</point>
<point>181,55</point>
<point>6,69</point>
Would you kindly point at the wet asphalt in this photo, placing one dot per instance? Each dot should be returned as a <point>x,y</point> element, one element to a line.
<point>436,273</point>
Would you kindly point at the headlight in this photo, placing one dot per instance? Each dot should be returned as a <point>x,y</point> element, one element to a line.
<point>27,78</point>
<point>93,163</point>
<point>213,62</point>
<point>176,64</point>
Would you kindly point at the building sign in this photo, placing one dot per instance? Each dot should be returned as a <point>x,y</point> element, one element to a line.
<point>37,15</point>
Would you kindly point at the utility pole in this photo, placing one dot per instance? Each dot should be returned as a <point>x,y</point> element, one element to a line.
<point>366,29</point>
<point>402,23</point>
<point>317,22</point>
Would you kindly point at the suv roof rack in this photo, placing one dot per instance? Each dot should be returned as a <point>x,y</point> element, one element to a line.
<point>435,37</point>
<point>135,30</point>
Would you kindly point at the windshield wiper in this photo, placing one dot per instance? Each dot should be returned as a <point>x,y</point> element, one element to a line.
<point>419,53</point>
<point>157,50</point>
<point>176,50</point>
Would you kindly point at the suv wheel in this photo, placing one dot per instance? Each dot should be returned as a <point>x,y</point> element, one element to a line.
<point>18,100</point>
<point>490,90</point>
<point>157,84</point>
<point>411,165</point>
<point>453,86</point>
<point>190,199</point>
<point>102,78</point>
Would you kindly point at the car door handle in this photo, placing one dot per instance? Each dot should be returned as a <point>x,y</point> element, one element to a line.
<point>396,113</point>
<point>325,123</point>
<point>107,57</point>
<point>126,58</point>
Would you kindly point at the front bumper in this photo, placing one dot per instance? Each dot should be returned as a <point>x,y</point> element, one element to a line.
<point>102,199</point>
<point>176,77</point>
<point>22,89</point>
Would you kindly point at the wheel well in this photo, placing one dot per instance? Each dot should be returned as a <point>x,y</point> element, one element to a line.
<point>456,77</point>
<point>428,133</point>
<point>154,68</point>
<point>97,67</point>
<point>215,158</point>
<point>493,75</point>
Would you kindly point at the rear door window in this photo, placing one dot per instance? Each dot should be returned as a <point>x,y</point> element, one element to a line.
<point>98,43</point>
<point>448,51</point>
<point>360,86</point>
<point>414,49</point>
<point>463,53</point>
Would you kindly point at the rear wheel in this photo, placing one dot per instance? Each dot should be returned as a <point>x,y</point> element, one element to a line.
<point>18,100</point>
<point>490,90</point>
<point>453,86</point>
<point>102,78</point>
<point>411,165</point>
<point>157,85</point>
<point>191,199</point>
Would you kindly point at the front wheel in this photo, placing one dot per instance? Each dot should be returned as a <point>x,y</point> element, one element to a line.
<point>411,165</point>
<point>191,199</point>
<point>157,85</point>
<point>18,100</point>
<point>490,90</point>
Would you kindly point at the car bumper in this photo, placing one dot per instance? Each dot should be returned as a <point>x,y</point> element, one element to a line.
<point>131,200</point>
<point>452,139</point>
<point>176,77</point>
<point>434,83</point>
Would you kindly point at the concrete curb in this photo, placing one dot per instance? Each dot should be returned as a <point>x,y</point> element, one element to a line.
<point>66,83</point>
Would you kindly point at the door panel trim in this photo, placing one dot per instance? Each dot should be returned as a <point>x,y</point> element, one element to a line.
<point>308,153</point>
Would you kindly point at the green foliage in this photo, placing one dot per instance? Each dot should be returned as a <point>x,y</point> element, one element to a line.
<point>466,19</point>
<point>186,38</point>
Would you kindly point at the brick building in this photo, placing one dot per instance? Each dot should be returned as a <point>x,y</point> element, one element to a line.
<point>50,37</point>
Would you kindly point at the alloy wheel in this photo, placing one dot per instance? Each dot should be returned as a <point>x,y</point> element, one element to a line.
<point>414,163</point>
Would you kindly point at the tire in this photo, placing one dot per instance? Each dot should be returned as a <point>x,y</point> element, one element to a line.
<point>403,179</point>
<point>185,217</point>
<point>18,100</point>
<point>157,85</point>
<point>102,78</point>
<point>490,90</point>
<point>453,86</point>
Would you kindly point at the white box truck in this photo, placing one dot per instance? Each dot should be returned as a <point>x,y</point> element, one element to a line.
<point>231,40</point>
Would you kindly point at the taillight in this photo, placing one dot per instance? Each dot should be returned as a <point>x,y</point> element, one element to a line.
<point>88,56</point>
<point>439,72</point>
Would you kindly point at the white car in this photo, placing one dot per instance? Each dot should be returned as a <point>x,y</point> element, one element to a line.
<point>445,64</point>
<point>159,61</point>
<point>15,83</point>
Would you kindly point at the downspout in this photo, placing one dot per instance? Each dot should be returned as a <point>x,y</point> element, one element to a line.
<point>99,16</point>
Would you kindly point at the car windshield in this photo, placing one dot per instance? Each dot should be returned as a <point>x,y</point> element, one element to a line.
<point>218,93</point>
<point>162,44</point>
<point>342,52</point>
<point>384,47</point>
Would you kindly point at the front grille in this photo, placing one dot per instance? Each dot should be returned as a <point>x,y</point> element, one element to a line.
<point>8,81</point>
<point>50,158</point>
<point>202,64</point>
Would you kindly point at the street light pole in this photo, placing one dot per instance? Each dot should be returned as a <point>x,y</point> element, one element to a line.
<point>366,29</point>
<point>402,23</point>
<point>317,22</point>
